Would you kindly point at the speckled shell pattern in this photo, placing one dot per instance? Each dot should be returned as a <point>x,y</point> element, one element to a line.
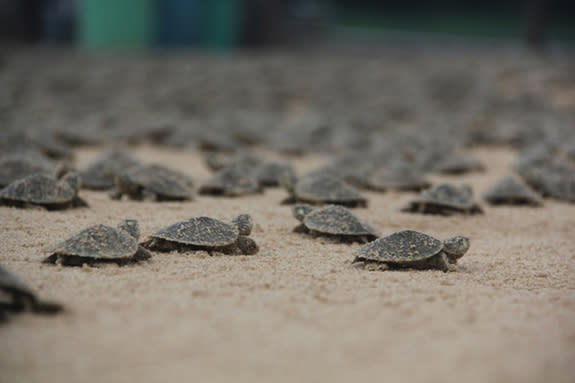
<point>326,188</point>
<point>39,189</point>
<point>200,231</point>
<point>98,242</point>
<point>158,180</point>
<point>336,220</point>
<point>401,247</point>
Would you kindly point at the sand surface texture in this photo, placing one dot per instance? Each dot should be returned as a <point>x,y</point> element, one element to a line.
<point>298,309</point>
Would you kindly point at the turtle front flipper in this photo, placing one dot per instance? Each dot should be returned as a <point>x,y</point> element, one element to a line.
<point>142,254</point>
<point>247,246</point>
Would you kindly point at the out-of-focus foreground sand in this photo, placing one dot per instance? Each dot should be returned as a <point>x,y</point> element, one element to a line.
<point>298,309</point>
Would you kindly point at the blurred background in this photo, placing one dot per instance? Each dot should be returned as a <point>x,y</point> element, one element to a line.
<point>226,24</point>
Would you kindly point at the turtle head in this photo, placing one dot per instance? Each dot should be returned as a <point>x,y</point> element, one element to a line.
<point>301,210</point>
<point>467,190</point>
<point>73,179</point>
<point>287,180</point>
<point>247,246</point>
<point>244,223</point>
<point>455,247</point>
<point>130,226</point>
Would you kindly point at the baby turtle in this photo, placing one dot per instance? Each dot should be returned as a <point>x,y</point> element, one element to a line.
<point>512,191</point>
<point>234,180</point>
<point>322,189</point>
<point>205,233</point>
<point>100,243</point>
<point>152,182</point>
<point>101,173</point>
<point>415,250</point>
<point>17,297</point>
<point>457,165</point>
<point>16,166</point>
<point>44,190</point>
<point>335,221</point>
<point>444,199</point>
<point>270,173</point>
<point>402,178</point>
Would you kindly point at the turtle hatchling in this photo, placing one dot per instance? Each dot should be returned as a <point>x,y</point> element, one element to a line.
<point>457,165</point>
<point>44,190</point>
<point>415,250</point>
<point>322,189</point>
<point>512,191</point>
<point>333,221</point>
<point>101,173</point>
<point>205,233</point>
<point>16,166</point>
<point>400,177</point>
<point>153,182</point>
<point>17,297</point>
<point>444,199</point>
<point>270,173</point>
<point>234,180</point>
<point>100,244</point>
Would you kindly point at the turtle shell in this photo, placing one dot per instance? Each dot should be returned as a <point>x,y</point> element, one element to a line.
<point>200,231</point>
<point>15,167</point>
<point>398,178</point>
<point>98,242</point>
<point>158,180</point>
<point>234,180</point>
<point>326,189</point>
<point>337,220</point>
<point>269,174</point>
<point>401,247</point>
<point>41,189</point>
<point>447,195</point>
<point>512,190</point>
<point>101,173</point>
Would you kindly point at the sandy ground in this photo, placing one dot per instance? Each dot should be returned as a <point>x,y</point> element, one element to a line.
<point>298,309</point>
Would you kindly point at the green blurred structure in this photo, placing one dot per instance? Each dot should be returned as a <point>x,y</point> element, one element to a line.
<point>221,23</point>
<point>129,25</point>
<point>115,24</point>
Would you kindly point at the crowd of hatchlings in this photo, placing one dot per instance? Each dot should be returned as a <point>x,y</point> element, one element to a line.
<point>385,121</point>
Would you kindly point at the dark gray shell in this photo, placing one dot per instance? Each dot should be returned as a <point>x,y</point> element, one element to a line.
<point>511,190</point>
<point>234,180</point>
<point>101,173</point>
<point>455,164</point>
<point>40,189</point>
<point>326,189</point>
<point>158,180</point>
<point>269,174</point>
<point>398,178</point>
<point>446,195</point>
<point>337,220</point>
<point>401,247</point>
<point>200,231</point>
<point>15,167</point>
<point>98,242</point>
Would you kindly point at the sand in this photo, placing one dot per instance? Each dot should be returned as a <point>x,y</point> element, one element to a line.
<point>298,310</point>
